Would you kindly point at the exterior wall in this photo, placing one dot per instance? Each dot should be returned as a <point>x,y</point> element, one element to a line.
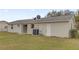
<point>9,29</point>
<point>72,23</point>
<point>51,29</point>
<point>48,30</point>
<point>16,28</point>
<point>60,29</point>
<point>3,26</point>
<point>29,29</point>
<point>42,28</point>
<point>54,29</point>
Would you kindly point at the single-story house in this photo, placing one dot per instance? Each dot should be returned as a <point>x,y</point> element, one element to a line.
<point>51,26</point>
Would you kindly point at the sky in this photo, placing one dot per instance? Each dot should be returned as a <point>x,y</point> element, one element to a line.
<point>19,14</point>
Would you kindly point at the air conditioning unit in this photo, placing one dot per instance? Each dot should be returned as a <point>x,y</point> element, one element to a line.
<point>35,31</point>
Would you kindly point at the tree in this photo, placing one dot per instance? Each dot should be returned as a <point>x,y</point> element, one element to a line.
<point>73,33</point>
<point>77,18</point>
<point>49,14</point>
<point>59,13</point>
<point>77,12</point>
<point>67,12</point>
<point>77,22</point>
<point>54,13</point>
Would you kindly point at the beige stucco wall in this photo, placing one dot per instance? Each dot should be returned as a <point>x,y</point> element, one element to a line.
<point>60,29</point>
<point>3,25</point>
<point>54,29</point>
<point>72,23</point>
<point>29,29</point>
<point>16,28</point>
<point>42,28</point>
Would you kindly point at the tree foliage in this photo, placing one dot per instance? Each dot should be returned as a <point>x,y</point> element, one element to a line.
<point>49,14</point>
<point>77,22</point>
<point>73,33</point>
<point>59,13</point>
<point>77,18</point>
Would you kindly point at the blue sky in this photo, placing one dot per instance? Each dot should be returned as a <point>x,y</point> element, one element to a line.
<point>18,14</point>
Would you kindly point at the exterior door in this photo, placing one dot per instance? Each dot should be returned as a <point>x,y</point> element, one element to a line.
<point>25,28</point>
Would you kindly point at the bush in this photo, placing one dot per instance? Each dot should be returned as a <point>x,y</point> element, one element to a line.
<point>73,33</point>
<point>77,18</point>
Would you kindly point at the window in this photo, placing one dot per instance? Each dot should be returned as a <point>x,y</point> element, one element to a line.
<point>25,26</point>
<point>32,25</point>
<point>5,27</point>
<point>11,26</point>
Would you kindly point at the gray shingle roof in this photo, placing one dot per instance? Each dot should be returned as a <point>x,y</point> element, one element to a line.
<point>4,22</point>
<point>65,18</point>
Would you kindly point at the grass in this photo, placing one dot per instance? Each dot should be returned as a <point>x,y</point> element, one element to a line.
<point>12,41</point>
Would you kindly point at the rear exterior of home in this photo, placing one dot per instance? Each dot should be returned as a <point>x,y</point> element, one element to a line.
<point>52,26</point>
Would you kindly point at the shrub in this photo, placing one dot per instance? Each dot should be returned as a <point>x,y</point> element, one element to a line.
<point>73,33</point>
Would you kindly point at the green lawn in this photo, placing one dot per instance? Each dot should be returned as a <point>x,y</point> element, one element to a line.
<point>12,41</point>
